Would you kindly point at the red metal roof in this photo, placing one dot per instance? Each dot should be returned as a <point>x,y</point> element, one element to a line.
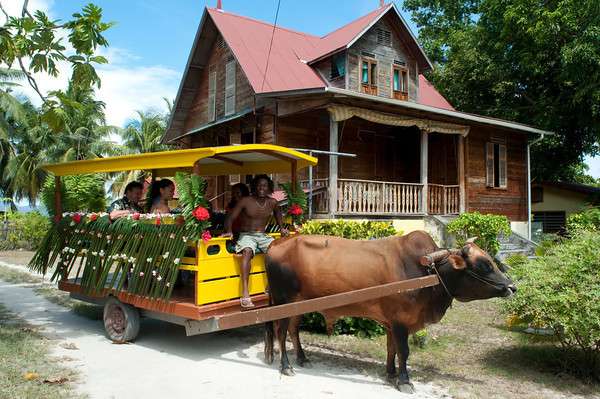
<point>428,95</point>
<point>249,39</point>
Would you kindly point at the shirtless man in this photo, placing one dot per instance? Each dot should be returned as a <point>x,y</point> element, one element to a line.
<point>255,211</point>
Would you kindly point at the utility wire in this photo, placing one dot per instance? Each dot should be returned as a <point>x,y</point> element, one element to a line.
<point>270,46</point>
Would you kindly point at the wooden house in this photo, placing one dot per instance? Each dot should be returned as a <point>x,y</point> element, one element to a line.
<point>357,90</point>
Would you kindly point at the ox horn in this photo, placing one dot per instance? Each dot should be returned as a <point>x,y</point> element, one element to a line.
<point>427,260</point>
<point>471,240</point>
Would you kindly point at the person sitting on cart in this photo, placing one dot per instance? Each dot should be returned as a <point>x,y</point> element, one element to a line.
<point>255,212</point>
<point>129,203</point>
<point>161,192</point>
<point>238,191</point>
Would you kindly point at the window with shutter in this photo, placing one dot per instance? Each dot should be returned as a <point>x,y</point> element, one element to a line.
<point>489,164</point>
<point>230,87</point>
<point>212,85</point>
<point>501,166</point>
<point>495,165</point>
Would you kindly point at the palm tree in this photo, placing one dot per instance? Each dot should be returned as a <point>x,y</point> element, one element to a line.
<point>23,176</point>
<point>139,136</point>
<point>85,134</point>
<point>11,113</point>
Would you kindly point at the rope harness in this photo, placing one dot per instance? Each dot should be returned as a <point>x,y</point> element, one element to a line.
<point>431,268</point>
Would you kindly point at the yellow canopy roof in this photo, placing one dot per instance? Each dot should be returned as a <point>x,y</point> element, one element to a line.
<point>214,161</point>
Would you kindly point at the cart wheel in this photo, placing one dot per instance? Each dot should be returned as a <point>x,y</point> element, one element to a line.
<point>121,321</point>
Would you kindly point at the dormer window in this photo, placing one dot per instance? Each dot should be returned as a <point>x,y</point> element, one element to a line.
<point>399,82</point>
<point>338,66</point>
<point>368,76</point>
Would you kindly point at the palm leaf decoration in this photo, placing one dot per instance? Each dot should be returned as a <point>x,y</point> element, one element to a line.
<point>296,202</point>
<point>192,189</point>
<point>126,255</point>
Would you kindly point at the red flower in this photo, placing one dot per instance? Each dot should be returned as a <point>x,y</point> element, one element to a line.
<point>201,214</point>
<point>136,216</point>
<point>206,236</point>
<point>93,217</point>
<point>77,218</point>
<point>158,221</point>
<point>295,210</point>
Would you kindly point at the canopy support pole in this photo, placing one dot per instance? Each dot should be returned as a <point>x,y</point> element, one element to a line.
<point>333,166</point>
<point>57,199</point>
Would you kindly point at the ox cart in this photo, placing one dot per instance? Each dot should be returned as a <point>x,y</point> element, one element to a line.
<point>133,266</point>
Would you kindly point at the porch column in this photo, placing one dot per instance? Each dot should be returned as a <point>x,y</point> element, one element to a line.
<point>424,160</point>
<point>333,166</point>
<point>461,174</point>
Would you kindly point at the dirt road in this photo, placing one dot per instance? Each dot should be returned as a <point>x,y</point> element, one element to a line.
<point>163,362</point>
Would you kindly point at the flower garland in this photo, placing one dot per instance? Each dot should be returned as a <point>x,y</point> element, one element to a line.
<point>192,188</point>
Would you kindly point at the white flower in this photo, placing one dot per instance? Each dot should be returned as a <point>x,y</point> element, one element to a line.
<point>108,237</point>
<point>95,253</point>
<point>124,257</point>
<point>99,235</point>
<point>76,230</point>
<point>172,236</point>
<point>154,272</point>
<point>184,239</point>
<point>94,268</point>
<point>158,278</point>
<point>131,270</point>
<point>141,274</point>
<point>131,259</point>
<point>84,251</point>
<point>149,260</point>
<point>168,284</point>
<point>72,250</point>
<point>79,242</point>
<point>72,224</point>
<point>166,255</point>
<point>176,261</point>
<point>102,253</point>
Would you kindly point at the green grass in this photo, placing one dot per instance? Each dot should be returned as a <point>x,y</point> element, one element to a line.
<point>23,350</point>
<point>474,355</point>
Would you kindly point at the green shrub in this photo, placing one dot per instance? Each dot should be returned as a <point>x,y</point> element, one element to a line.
<point>79,193</point>
<point>561,290</point>
<point>547,242</point>
<point>350,229</point>
<point>485,227</point>
<point>358,231</point>
<point>588,219</point>
<point>26,230</point>
<point>420,338</point>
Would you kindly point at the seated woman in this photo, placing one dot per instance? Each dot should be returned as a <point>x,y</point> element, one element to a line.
<point>161,192</point>
<point>238,191</point>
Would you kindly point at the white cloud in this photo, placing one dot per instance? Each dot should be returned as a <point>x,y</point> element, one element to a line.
<point>128,89</point>
<point>594,164</point>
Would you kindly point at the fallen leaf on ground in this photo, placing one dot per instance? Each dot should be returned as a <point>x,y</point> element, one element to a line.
<point>69,345</point>
<point>31,376</point>
<point>57,380</point>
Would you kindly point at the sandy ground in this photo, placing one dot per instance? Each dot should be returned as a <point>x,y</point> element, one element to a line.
<point>163,362</point>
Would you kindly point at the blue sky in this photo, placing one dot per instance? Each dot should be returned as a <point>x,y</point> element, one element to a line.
<point>151,40</point>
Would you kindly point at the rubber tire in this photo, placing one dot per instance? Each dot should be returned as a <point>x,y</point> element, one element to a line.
<point>131,320</point>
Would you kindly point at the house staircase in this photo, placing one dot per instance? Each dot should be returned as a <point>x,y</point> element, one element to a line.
<point>511,245</point>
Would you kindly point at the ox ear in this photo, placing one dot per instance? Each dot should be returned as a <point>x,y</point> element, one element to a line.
<point>457,262</point>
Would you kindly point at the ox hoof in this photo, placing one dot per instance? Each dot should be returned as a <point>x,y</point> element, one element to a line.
<point>269,357</point>
<point>305,363</point>
<point>405,387</point>
<point>288,371</point>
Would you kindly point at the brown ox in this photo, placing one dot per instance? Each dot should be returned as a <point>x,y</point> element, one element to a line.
<point>305,267</point>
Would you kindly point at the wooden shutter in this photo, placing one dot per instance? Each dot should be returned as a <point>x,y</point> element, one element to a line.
<point>502,165</point>
<point>489,164</point>
<point>212,85</point>
<point>230,87</point>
